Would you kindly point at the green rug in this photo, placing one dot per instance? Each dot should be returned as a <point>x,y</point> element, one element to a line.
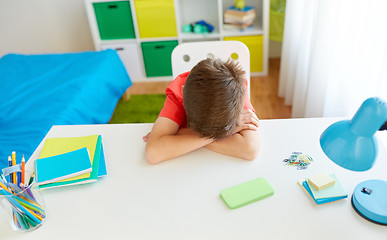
<point>138,109</point>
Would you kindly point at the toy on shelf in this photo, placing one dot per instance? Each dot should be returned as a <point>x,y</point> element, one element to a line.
<point>198,27</point>
<point>239,4</point>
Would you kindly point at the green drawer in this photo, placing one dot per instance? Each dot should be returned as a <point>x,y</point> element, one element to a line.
<point>157,57</point>
<point>114,20</point>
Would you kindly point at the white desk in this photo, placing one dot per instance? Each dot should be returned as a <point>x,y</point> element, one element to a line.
<point>179,199</point>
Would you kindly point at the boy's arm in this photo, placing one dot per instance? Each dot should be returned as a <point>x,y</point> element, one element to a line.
<point>243,144</point>
<point>165,142</point>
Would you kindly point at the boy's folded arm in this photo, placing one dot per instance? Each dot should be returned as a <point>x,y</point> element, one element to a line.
<point>165,141</point>
<point>244,144</point>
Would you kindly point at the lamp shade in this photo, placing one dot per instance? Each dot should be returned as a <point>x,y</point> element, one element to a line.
<point>351,143</point>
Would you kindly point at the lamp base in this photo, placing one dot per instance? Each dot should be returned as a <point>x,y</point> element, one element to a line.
<point>369,200</point>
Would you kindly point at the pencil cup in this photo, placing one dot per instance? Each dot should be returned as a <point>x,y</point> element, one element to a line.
<point>23,205</point>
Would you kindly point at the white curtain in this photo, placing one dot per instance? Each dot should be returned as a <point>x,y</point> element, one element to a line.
<point>334,56</point>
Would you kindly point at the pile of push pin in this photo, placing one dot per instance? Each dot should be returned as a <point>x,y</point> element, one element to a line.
<point>301,161</point>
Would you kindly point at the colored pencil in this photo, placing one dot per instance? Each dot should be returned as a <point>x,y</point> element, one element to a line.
<point>16,204</point>
<point>23,169</point>
<point>23,197</point>
<point>35,214</point>
<point>30,205</point>
<point>21,221</point>
<point>2,178</point>
<point>29,220</point>
<point>28,191</point>
<point>10,165</point>
<point>4,187</point>
<point>31,179</point>
<point>13,164</point>
<point>15,219</point>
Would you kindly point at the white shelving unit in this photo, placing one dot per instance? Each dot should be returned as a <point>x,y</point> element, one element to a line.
<point>185,12</point>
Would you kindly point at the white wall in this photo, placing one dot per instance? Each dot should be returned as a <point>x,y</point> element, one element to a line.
<point>43,26</point>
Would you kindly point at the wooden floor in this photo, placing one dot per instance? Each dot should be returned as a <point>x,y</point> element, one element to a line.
<point>263,93</point>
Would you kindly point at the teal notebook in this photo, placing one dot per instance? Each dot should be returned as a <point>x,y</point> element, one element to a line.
<point>102,165</point>
<point>336,190</point>
<point>98,169</point>
<point>62,166</point>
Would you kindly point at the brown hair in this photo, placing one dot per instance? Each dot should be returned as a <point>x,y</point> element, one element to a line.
<point>213,97</point>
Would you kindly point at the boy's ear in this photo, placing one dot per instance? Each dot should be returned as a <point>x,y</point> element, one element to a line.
<point>182,89</point>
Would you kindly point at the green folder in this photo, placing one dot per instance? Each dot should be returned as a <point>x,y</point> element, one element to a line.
<point>246,193</point>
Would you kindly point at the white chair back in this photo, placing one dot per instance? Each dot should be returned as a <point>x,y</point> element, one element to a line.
<point>186,55</point>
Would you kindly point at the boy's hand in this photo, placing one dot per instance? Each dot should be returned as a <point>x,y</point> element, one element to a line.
<point>146,137</point>
<point>244,143</point>
<point>248,121</point>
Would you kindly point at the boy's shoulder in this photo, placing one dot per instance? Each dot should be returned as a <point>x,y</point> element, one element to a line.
<point>179,80</point>
<point>176,85</point>
<point>174,106</point>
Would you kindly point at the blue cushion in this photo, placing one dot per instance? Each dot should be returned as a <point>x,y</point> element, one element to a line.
<point>39,91</point>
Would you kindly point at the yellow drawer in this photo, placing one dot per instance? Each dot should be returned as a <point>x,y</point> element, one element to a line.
<point>156,18</point>
<point>255,45</point>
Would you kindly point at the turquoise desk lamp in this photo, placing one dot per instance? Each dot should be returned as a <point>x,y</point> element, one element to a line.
<point>352,144</point>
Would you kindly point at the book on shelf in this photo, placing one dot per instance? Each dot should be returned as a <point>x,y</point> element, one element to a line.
<point>242,18</point>
<point>238,11</point>
<point>55,147</point>
<point>238,26</point>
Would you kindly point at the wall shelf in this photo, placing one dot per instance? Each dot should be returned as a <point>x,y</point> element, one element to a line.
<point>163,23</point>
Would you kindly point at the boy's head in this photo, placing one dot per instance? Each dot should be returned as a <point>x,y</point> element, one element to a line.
<point>213,97</point>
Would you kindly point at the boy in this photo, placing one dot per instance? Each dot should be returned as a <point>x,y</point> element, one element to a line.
<point>216,113</point>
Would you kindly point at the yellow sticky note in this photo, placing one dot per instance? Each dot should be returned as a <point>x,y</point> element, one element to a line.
<point>321,181</point>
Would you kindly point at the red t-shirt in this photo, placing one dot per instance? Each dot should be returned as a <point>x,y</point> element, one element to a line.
<point>174,107</point>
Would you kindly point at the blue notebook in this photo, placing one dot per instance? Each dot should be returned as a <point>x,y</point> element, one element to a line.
<point>245,9</point>
<point>62,166</point>
<point>321,200</point>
